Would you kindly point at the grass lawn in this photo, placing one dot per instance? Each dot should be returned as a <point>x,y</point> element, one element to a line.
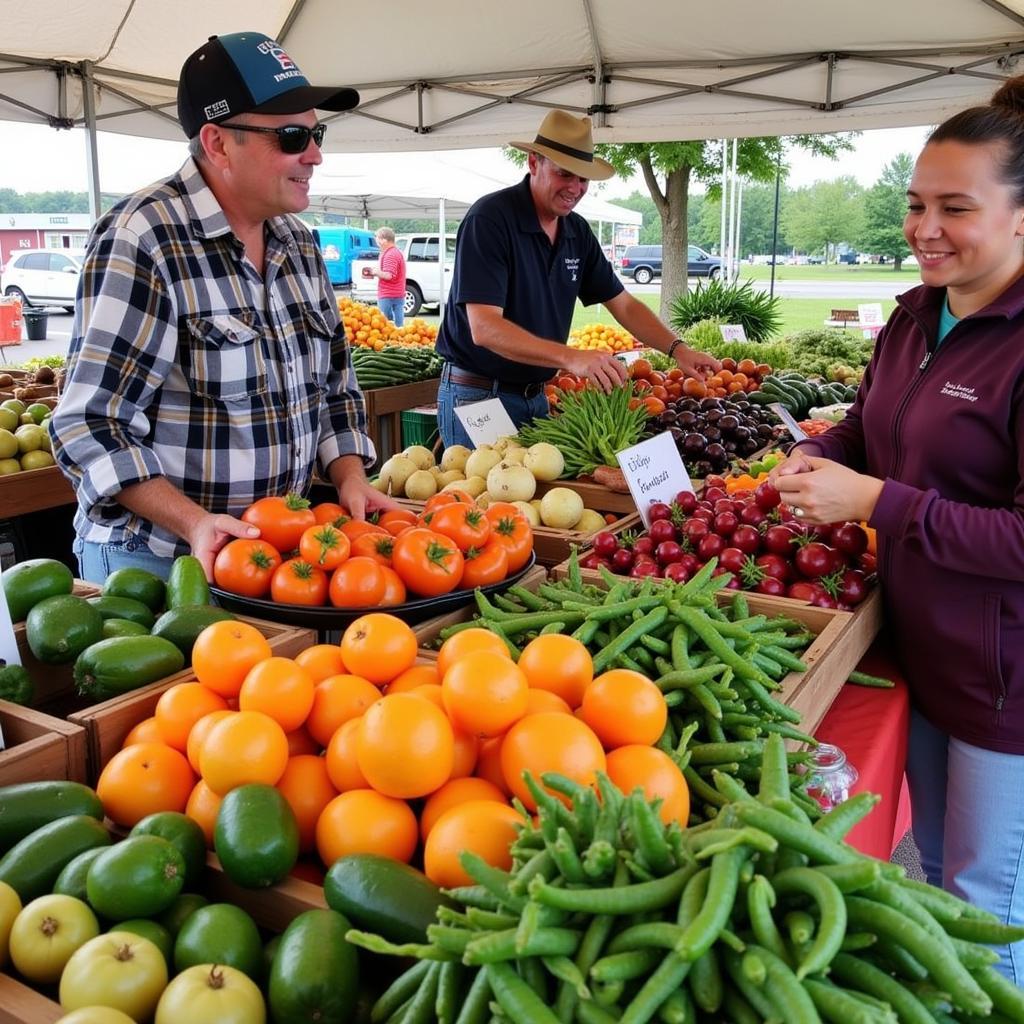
<point>797,314</point>
<point>839,273</point>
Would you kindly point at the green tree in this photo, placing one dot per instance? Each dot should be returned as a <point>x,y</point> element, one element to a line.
<point>756,216</point>
<point>824,214</point>
<point>885,206</point>
<point>669,168</point>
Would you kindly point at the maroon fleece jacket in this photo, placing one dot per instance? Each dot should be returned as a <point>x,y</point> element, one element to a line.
<point>943,427</point>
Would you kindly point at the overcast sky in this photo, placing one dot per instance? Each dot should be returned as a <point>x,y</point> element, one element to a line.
<point>37,159</point>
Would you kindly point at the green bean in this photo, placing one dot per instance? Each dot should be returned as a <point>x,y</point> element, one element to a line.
<point>895,958</point>
<point>709,632</point>
<point>761,695</point>
<point>900,900</point>
<point>591,1013</point>
<point>564,969</point>
<point>422,1005</point>
<point>688,677</point>
<point>678,1008</point>
<point>943,965</point>
<point>972,954</point>
<point>729,786</point>
<point>508,605</point>
<point>679,644</point>
<point>493,947</point>
<point>774,771</point>
<point>799,837</point>
<point>853,942</point>
<point>751,837</point>
<point>1005,996</point>
<point>859,974</point>
<point>627,964</point>
<point>769,666</point>
<point>491,878</point>
<point>838,821</point>
<point>831,910</point>
<point>451,940</point>
<point>473,896</point>
<point>784,657</point>
<point>487,920</point>
<point>800,926</point>
<point>760,900</point>
<point>750,992</point>
<point>723,882</point>
<point>699,788</point>
<point>531,970</point>
<point>705,981</point>
<point>786,731</point>
<point>943,906</point>
<point>738,1009</point>
<point>649,834</point>
<point>608,993</point>
<point>515,996</point>
<point>840,1007</point>
<point>717,753</point>
<point>447,996</point>
<point>993,932</point>
<point>400,991</point>
<point>628,637</point>
<point>629,899</point>
<point>475,1004</point>
<point>863,679</point>
<point>785,991</point>
<point>851,877</point>
<point>376,944</point>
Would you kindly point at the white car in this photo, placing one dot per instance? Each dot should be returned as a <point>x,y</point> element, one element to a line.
<point>44,277</point>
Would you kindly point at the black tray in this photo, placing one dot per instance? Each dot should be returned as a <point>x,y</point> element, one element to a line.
<point>329,617</point>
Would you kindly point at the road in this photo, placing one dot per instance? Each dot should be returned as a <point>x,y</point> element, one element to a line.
<point>59,323</point>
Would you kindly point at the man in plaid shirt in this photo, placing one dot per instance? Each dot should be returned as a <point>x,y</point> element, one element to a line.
<point>208,367</point>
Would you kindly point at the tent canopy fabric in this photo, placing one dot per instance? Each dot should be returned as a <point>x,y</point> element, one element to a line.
<point>374,187</point>
<point>457,73</point>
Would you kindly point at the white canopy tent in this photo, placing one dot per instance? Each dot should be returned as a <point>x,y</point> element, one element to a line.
<point>458,73</point>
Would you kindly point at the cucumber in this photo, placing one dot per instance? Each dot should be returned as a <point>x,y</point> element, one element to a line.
<point>183,624</point>
<point>315,973</point>
<point>59,628</point>
<point>111,607</point>
<point>384,896</point>
<point>27,806</point>
<point>71,880</point>
<point>138,877</point>
<point>32,865</point>
<point>27,583</point>
<point>186,584</point>
<point>256,836</point>
<point>139,584</point>
<point>124,663</point>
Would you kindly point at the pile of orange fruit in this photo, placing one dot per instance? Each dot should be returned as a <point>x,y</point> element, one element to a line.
<point>376,752</point>
<point>368,326</point>
<point>603,338</point>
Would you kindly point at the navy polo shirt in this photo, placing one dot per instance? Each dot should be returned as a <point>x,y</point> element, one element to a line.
<point>504,258</point>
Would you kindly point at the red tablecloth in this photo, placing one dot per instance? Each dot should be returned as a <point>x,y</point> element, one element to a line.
<point>870,726</point>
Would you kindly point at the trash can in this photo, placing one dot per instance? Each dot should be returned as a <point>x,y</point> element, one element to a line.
<point>35,324</point>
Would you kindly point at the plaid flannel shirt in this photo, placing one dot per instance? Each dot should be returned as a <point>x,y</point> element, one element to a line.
<point>186,363</point>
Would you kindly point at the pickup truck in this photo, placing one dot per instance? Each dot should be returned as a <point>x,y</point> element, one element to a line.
<point>422,273</point>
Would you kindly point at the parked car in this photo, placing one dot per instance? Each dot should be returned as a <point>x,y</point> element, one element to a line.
<point>422,272</point>
<point>643,263</point>
<point>43,277</point>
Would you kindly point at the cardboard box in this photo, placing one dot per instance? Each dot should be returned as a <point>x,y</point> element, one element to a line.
<point>37,747</point>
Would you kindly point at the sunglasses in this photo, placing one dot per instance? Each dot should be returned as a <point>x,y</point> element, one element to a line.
<point>292,138</point>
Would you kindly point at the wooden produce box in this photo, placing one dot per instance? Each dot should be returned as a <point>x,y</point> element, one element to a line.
<point>594,496</point>
<point>108,723</point>
<point>33,490</point>
<point>384,408</point>
<point>38,746</point>
<point>427,631</point>
<point>20,1004</point>
<point>553,546</point>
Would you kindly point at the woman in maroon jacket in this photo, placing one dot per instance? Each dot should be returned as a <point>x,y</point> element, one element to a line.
<point>932,455</point>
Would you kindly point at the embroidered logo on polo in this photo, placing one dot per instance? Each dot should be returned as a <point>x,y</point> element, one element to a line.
<point>958,391</point>
<point>572,264</point>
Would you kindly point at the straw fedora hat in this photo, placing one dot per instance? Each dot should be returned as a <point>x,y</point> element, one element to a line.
<point>568,142</point>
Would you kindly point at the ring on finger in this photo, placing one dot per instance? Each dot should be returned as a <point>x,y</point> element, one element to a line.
<point>798,511</point>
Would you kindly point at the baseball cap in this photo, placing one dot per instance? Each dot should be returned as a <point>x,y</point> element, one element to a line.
<point>248,73</point>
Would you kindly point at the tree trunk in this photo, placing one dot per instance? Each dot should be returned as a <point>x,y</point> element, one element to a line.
<point>897,263</point>
<point>672,208</point>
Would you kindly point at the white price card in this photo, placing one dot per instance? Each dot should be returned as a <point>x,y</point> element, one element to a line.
<point>871,314</point>
<point>787,419</point>
<point>732,332</point>
<point>630,356</point>
<point>485,421</point>
<point>654,471</point>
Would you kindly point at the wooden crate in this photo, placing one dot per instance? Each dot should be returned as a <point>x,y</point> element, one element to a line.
<point>20,1004</point>
<point>106,724</point>
<point>37,747</point>
<point>384,408</point>
<point>594,496</point>
<point>427,631</point>
<point>34,490</point>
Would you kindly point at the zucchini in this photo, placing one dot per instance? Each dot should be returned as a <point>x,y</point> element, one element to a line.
<point>124,663</point>
<point>33,864</point>
<point>27,806</point>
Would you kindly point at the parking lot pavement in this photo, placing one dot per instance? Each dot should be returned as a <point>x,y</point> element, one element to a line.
<point>58,338</point>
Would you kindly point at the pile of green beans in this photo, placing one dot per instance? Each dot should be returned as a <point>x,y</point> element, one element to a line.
<point>716,664</point>
<point>608,915</point>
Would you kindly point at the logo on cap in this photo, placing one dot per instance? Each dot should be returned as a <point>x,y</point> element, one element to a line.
<point>215,110</point>
<point>276,51</point>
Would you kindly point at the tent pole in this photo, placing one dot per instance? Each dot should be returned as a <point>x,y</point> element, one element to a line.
<point>442,246</point>
<point>92,159</point>
<point>725,198</point>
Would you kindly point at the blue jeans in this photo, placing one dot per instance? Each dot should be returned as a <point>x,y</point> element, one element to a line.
<point>969,825</point>
<point>393,309</point>
<point>97,561</point>
<point>449,395</point>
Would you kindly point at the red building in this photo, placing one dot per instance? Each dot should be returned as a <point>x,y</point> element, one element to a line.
<point>42,231</point>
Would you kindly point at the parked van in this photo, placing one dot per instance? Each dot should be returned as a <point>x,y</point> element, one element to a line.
<point>339,246</point>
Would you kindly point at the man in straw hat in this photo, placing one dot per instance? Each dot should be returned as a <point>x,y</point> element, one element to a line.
<point>522,259</point>
<point>208,367</point>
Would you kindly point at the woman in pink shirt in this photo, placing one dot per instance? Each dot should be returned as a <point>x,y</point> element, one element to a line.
<point>390,277</point>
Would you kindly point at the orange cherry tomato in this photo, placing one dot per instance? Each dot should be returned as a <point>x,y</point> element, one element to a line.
<point>324,546</point>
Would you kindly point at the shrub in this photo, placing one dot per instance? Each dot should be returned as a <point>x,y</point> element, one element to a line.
<point>734,303</point>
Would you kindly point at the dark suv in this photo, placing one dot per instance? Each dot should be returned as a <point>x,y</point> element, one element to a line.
<point>643,262</point>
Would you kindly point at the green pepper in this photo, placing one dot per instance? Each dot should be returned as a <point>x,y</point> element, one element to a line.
<point>15,684</point>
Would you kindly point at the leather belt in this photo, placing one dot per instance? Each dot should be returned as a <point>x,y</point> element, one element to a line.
<point>474,380</point>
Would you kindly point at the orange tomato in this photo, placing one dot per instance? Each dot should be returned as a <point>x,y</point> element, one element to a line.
<point>330,512</point>
<point>654,406</point>
<point>355,528</point>
<point>308,790</point>
<point>457,791</point>
<point>324,546</point>
<point>405,746</point>
<point>640,369</point>
<point>656,774</point>
<point>429,563</point>
<point>413,677</point>
<point>341,761</point>
<point>395,520</point>
<point>377,546</point>
<point>394,588</point>
<point>246,567</point>
<point>180,707</point>
<point>143,779</point>
<point>485,565</point>
<point>223,654</point>
<point>476,638</point>
<point>297,581</point>
<point>280,520</point>
<point>357,583</point>
<point>465,524</point>
<point>545,700</point>
<point>198,733</point>
<point>321,661</point>
<point>364,821</point>
<point>488,764</point>
<point>147,731</point>
<point>550,742</point>
<point>301,742</point>
<point>336,700</point>
<point>484,693</point>
<point>247,746</point>
<point>467,749</point>
<point>378,647</point>
<point>202,807</point>
<point>694,388</point>
<point>432,692</point>
<point>279,688</point>
<point>559,664</point>
<point>624,707</point>
<point>513,531</point>
<point>484,827</point>
<point>442,498</point>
